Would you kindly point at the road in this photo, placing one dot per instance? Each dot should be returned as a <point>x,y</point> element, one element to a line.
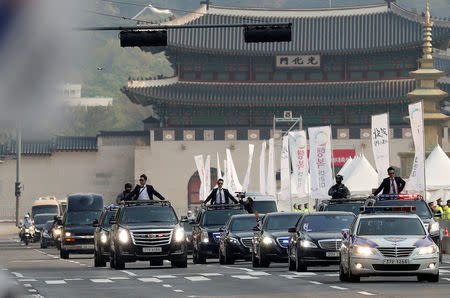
<point>41,273</point>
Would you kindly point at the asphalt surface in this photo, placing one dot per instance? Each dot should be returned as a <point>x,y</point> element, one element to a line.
<point>41,273</point>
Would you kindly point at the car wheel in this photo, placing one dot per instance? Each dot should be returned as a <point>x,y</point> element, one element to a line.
<point>112,263</point>
<point>291,264</point>
<point>201,258</point>
<point>156,262</point>
<point>64,254</point>
<point>255,262</point>
<point>299,265</point>
<point>342,274</point>
<point>180,263</point>
<point>263,261</point>
<point>352,277</point>
<point>221,258</point>
<point>229,259</point>
<point>119,262</point>
<point>99,260</point>
<point>433,278</point>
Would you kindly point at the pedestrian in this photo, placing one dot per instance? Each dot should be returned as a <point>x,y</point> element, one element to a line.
<point>248,204</point>
<point>339,190</point>
<point>295,208</point>
<point>220,195</point>
<point>439,211</point>
<point>299,207</point>
<point>143,191</point>
<point>447,210</point>
<point>306,208</point>
<point>190,216</point>
<point>121,197</point>
<point>391,185</point>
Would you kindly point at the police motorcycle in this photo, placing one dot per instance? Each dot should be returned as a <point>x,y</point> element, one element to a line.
<point>27,232</point>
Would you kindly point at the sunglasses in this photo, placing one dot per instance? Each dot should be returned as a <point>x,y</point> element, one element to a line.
<point>391,173</point>
<point>220,183</point>
<point>141,180</point>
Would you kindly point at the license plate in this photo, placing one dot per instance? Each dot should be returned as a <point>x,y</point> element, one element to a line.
<point>396,261</point>
<point>87,246</point>
<point>152,249</point>
<point>332,254</point>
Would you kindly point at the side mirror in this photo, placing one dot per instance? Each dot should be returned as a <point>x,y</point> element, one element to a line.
<point>256,229</point>
<point>112,221</point>
<point>292,230</point>
<point>345,234</point>
<point>95,223</point>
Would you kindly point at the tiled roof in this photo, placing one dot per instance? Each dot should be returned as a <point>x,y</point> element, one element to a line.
<point>75,143</point>
<point>271,94</point>
<point>314,31</point>
<point>32,147</point>
<point>137,133</point>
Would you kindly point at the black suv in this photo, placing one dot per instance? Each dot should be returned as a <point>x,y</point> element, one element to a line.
<point>101,236</point>
<point>206,229</point>
<point>345,205</point>
<point>147,231</point>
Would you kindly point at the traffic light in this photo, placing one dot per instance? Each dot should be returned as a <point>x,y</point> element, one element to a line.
<point>17,190</point>
<point>143,38</point>
<point>277,33</point>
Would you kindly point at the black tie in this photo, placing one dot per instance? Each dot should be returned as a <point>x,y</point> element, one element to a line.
<point>220,195</point>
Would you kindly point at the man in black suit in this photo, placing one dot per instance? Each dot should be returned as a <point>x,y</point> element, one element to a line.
<point>391,185</point>
<point>220,195</point>
<point>143,192</point>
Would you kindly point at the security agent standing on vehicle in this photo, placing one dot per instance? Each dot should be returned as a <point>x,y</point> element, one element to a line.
<point>122,196</point>
<point>143,192</point>
<point>248,205</point>
<point>339,190</point>
<point>391,185</point>
<point>220,195</point>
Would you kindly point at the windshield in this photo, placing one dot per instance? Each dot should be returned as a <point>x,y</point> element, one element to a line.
<point>148,214</point>
<point>81,217</point>
<point>41,219</point>
<point>243,224</point>
<point>422,209</point>
<point>107,217</point>
<point>282,222</point>
<point>390,226</point>
<point>53,209</point>
<point>327,223</point>
<point>264,206</point>
<point>49,225</point>
<point>344,207</point>
<point>219,217</point>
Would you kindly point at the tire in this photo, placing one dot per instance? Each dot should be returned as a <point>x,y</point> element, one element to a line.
<point>201,258</point>
<point>26,241</point>
<point>263,261</point>
<point>180,263</point>
<point>119,262</point>
<point>433,278</point>
<point>229,259</point>
<point>255,262</point>
<point>291,264</point>
<point>342,275</point>
<point>353,278</point>
<point>64,254</point>
<point>99,260</point>
<point>156,262</point>
<point>112,263</point>
<point>299,265</point>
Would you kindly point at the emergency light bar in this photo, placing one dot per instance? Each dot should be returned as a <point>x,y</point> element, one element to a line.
<point>405,197</point>
<point>381,209</point>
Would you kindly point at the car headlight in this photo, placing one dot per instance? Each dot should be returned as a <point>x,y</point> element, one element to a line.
<point>233,240</point>
<point>57,232</point>
<point>363,250</point>
<point>179,234</point>
<point>308,244</point>
<point>123,236</point>
<point>427,250</point>
<point>27,230</point>
<point>204,237</point>
<point>68,234</point>
<point>103,238</point>
<point>434,227</point>
<point>267,240</point>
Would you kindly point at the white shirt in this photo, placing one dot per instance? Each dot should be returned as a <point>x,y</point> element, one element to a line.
<point>394,189</point>
<point>220,196</point>
<point>143,194</point>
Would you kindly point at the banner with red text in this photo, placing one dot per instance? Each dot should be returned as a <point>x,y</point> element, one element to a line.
<point>320,161</point>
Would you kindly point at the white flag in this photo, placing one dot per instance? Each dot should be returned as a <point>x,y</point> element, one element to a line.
<point>262,169</point>
<point>219,171</point>
<point>208,175</point>
<point>226,177</point>
<point>284,203</point>
<point>251,149</point>
<point>299,156</point>
<point>201,173</point>
<point>271,187</point>
<point>320,161</point>
<point>380,144</point>
<point>233,183</point>
<point>417,177</point>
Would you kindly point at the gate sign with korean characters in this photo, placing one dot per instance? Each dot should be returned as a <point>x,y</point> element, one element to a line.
<point>297,61</point>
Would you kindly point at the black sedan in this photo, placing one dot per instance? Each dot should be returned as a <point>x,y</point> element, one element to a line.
<point>47,235</point>
<point>101,236</point>
<point>316,239</point>
<point>236,238</point>
<point>39,222</point>
<point>270,240</point>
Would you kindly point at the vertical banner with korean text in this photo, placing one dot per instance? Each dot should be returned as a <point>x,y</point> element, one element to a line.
<point>201,173</point>
<point>320,161</point>
<point>380,144</point>
<point>207,175</point>
<point>271,176</point>
<point>299,158</point>
<point>233,183</point>
<point>417,178</point>
<point>251,149</point>
<point>284,202</point>
<point>262,169</point>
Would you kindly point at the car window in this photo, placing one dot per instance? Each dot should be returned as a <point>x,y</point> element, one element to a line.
<point>264,206</point>
<point>148,214</point>
<point>390,226</point>
<point>81,217</point>
<point>422,209</point>
<point>354,208</point>
<point>243,224</point>
<point>219,217</point>
<point>106,217</point>
<point>281,222</point>
<point>332,223</point>
<point>41,219</point>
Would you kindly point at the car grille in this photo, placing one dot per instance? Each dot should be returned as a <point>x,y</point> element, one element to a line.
<point>247,242</point>
<point>151,237</point>
<point>282,242</point>
<point>406,267</point>
<point>396,252</point>
<point>330,244</point>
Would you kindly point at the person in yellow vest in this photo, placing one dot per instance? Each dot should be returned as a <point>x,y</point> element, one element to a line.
<point>300,208</point>
<point>439,211</point>
<point>447,210</point>
<point>314,208</point>
<point>295,208</point>
<point>306,208</point>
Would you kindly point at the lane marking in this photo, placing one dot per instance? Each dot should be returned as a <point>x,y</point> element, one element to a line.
<point>17,274</point>
<point>178,291</point>
<point>447,279</point>
<point>316,282</point>
<point>27,285</point>
<point>129,273</point>
<point>119,278</point>
<point>165,276</point>
<point>74,279</point>
<point>32,291</point>
<point>55,282</point>
<point>244,277</point>
<point>101,280</point>
<point>259,273</point>
<point>338,288</point>
<point>211,274</point>
<point>366,293</point>
<point>196,278</point>
<point>304,273</point>
<point>167,286</point>
<point>149,279</point>
<point>245,269</point>
<point>27,279</point>
<point>333,274</point>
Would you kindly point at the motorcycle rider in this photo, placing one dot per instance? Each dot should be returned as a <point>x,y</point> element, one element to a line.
<point>26,224</point>
<point>339,190</point>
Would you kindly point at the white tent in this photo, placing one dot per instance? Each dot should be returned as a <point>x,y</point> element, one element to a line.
<point>437,175</point>
<point>360,176</point>
<point>345,167</point>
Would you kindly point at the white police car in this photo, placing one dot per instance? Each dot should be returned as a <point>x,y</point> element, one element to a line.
<point>383,243</point>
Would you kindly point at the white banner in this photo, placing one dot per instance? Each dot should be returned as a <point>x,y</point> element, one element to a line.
<point>271,187</point>
<point>417,178</point>
<point>207,175</point>
<point>219,170</point>
<point>201,173</point>
<point>299,157</point>
<point>251,149</point>
<point>226,177</point>
<point>233,183</point>
<point>320,161</point>
<point>262,169</point>
<point>284,202</point>
<point>380,144</point>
